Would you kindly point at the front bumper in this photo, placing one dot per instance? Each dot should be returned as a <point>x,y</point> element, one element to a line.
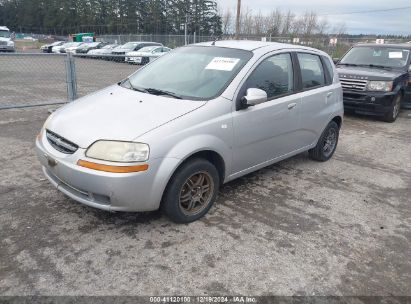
<point>136,60</point>
<point>131,192</point>
<point>7,48</point>
<point>367,102</point>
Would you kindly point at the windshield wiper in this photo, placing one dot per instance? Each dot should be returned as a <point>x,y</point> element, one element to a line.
<point>348,64</point>
<point>163,92</point>
<point>128,84</point>
<point>150,90</point>
<point>376,66</point>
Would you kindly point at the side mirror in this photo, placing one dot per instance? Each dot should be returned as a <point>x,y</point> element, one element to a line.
<point>336,60</point>
<point>254,97</point>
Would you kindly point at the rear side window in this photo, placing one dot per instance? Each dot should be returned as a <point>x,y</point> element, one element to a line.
<point>312,71</point>
<point>274,76</point>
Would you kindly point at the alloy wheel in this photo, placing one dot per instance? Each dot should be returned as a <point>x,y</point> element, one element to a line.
<point>330,142</point>
<point>196,193</point>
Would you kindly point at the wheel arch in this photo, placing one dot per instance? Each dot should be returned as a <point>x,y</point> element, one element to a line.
<point>338,120</point>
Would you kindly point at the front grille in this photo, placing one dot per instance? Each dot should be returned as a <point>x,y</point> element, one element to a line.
<point>61,144</point>
<point>354,84</point>
<point>3,42</point>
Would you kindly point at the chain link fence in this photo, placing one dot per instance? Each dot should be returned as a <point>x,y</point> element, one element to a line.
<point>28,80</point>
<point>41,79</point>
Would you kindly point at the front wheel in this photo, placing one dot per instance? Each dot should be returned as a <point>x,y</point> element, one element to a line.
<point>191,191</point>
<point>394,111</point>
<point>327,144</point>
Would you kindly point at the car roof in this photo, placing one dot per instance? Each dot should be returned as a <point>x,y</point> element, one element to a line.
<point>4,28</point>
<point>248,45</point>
<point>388,45</point>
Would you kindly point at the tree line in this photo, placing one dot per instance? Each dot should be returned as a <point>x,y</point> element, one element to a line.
<point>278,23</point>
<point>62,17</point>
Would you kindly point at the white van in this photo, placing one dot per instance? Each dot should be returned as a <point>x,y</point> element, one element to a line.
<point>6,42</point>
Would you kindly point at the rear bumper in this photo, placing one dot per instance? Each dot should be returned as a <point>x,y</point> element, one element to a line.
<point>370,103</point>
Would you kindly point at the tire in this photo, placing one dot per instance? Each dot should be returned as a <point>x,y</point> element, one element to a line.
<point>327,144</point>
<point>186,199</point>
<point>392,115</point>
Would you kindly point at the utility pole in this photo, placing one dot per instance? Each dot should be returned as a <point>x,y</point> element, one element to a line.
<point>237,26</point>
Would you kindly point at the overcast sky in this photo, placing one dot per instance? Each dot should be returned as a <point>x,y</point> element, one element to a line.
<point>391,22</point>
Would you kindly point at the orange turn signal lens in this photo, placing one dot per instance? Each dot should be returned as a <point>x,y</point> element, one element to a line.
<point>112,169</point>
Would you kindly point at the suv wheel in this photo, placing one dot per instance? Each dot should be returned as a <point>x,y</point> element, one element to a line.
<point>327,144</point>
<point>392,115</point>
<point>191,191</point>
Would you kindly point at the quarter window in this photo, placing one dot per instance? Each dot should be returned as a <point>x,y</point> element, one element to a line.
<point>274,76</point>
<point>329,66</point>
<point>312,71</point>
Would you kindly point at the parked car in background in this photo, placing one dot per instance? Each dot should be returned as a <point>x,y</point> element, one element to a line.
<point>72,48</point>
<point>58,49</point>
<point>6,41</point>
<point>87,47</point>
<point>376,79</point>
<point>47,48</point>
<point>191,121</point>
<point>104,51</point>
<point>121,51</point>
<point>29,38</point>
<point>146,54</point>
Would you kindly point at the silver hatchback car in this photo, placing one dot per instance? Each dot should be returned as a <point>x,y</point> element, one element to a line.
<point>169,135</point>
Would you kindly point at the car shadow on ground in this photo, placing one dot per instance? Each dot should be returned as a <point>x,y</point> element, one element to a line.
<point>230,191</point>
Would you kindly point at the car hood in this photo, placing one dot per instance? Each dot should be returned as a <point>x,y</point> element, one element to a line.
<point>116,113</point>
<point>368,73</point>
<point>4,39</point>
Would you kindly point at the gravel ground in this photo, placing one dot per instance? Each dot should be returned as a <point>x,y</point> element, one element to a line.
<point>295,228</point>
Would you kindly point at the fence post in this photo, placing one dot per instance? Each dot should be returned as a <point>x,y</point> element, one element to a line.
<point>71,79</point>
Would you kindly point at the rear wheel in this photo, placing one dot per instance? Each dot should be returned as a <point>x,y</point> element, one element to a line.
<point>327,144</point>
<point>394,111</point>
<point>191,191</point>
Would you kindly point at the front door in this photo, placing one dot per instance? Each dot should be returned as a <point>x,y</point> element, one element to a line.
<point>268,130</point>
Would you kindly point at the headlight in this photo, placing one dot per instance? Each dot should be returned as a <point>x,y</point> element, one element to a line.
<point>10,43</point>
<point>119,151</point>
<point>380,86</point>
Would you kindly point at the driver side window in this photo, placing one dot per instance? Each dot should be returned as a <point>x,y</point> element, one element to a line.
<point>274,75</point>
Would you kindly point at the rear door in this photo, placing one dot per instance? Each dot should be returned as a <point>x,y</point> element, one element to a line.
<point>318,96</point>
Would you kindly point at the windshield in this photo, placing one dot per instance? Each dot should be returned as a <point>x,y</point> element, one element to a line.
<point>56,43</point>
<point>378,56</point>
<point>128,46</point>
<point>66,45</point>
<point>88,45</point>
<point>147,49</point>
<point>4,34</point>
<point>197,73</point>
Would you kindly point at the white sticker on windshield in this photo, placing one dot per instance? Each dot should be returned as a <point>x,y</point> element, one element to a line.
<point>395,55</point>
<point>222,64</point>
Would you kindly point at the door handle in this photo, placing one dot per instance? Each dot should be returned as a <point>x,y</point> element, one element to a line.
<point>329,94</point>
<point>292,106</point>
